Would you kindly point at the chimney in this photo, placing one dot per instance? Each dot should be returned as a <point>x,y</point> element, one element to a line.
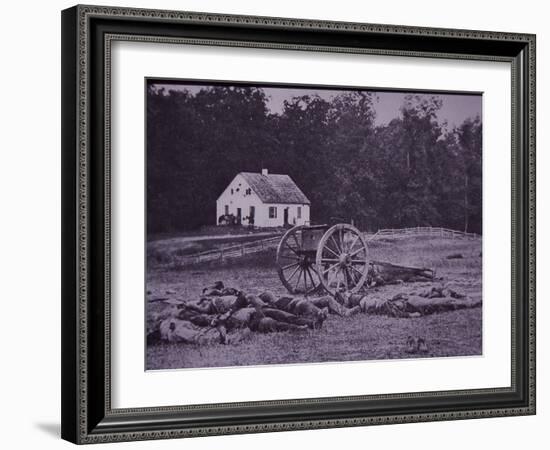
<point>265,172</point>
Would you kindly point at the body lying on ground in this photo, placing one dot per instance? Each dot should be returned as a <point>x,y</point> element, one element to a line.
<point>213,318</point>
<point>226,314</point>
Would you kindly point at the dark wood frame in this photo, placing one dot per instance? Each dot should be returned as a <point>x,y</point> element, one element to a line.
<point>87,32</point>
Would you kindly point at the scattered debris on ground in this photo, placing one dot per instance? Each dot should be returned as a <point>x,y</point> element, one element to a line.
<point>382,273</point>
<point>416,345</point>
<point>455,256</point>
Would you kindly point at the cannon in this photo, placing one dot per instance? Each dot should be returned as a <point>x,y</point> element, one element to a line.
<point>315,257</point>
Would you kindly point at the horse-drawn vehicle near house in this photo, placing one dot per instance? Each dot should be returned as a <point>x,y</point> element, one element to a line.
<point>332,257</point>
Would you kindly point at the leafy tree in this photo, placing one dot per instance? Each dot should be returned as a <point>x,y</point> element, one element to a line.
<point>470,144</point>
<point>196,144</point>
<point>409,172</point>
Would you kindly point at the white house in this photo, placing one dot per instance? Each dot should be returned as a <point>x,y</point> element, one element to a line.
<point>263,200</point>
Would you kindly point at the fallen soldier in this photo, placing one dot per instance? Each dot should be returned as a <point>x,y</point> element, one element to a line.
<point>382,273</point>
<point>292,319</point>
<point>235,320</point>
<point>185,325</point>
<point>179,312</point>
<point>188,313</point>
<point>407,304</point>
<point>351,302</point>
<point>211,318</point>
<point>317,308</point>
<point>225,303</point>
<point>216,305</point>
<point>430,305</point>
<point>262,323</point>
<point>154,320</point>
<point>175,330</point>
<point>414,304</point>
<point>439,292</point>
<point>218,289</point>
<point>246,311</point>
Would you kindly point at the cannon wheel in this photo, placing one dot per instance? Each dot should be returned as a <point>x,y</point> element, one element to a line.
<point>342,259</point>
<point>295,267</point>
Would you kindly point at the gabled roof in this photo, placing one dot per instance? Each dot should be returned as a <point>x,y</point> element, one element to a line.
<point>274,188</point>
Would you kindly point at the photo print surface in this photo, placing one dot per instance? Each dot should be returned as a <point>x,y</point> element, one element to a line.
<point>292,224</point>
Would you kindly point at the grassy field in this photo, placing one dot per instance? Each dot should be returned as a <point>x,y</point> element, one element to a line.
<point>166,252</point>
<point>360,337</point>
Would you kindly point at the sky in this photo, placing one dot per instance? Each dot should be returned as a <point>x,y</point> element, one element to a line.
<point>455,108</point>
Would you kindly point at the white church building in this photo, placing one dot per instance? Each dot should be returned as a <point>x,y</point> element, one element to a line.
<point>262,200</point>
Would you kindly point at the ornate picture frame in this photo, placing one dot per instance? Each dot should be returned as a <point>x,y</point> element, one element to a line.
<point>88,33</point>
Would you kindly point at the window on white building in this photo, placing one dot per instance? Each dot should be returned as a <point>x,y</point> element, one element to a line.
<point>226,210</point>
<point>299,212</point>
<point>272,212</point>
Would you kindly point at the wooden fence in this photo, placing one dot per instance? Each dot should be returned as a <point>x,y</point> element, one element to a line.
<point>238,250</point>
<point>230,251</point>
<point>422,231</point>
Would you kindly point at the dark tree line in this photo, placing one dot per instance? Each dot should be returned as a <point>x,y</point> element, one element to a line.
<point>409,172</point>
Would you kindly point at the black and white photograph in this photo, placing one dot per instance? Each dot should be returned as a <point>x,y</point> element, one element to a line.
<point>310,224</point>
<point>276,225</point>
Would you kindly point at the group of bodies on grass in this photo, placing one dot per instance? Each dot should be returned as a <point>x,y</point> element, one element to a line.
<point>224,315</point>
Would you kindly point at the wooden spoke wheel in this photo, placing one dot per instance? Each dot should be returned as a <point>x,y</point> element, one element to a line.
<point>342,259</point>
<point>295,264</point>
